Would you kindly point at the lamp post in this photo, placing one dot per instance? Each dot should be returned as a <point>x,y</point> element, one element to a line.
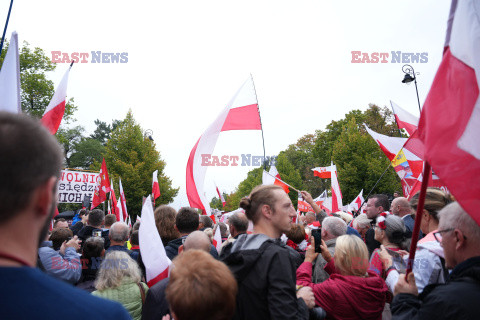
<point>148,134</point>
<point>409,77</point>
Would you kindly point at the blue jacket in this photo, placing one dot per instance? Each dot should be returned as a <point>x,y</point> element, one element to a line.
<point>133,254</point>
<point>67,268</point>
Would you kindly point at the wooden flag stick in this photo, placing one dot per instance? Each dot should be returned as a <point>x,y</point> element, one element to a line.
<point>283,182</point>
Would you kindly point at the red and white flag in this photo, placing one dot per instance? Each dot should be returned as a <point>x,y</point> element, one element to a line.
<point>240,114</point>
<point>323,172</point>
<point>123,201</point>
<point>405,120</point>
<point>220,196</point>
<point>151,247</point>
<point>449,124</point>
<point>336,192</point>
<point>10,78</point>
<point>217,239</point>
<point>272,177</point>
<point>102,188</point>
<point>56,108</point>
<point>155,186</point>
<point>357,202</point>
<point>115,210</point>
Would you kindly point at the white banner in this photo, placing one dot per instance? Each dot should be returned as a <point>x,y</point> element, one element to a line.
<point>74,185</point>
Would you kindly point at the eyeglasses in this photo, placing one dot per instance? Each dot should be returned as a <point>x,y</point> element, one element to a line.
<point>438,234</point>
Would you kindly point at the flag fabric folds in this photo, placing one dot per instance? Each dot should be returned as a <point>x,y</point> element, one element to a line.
<point>357,202</point>
<point>336,192</point>
<point>269,178</point>
<point>56,108</point>
<point>151,247</point>
<point>102,188</point>
<point>449,124</point>
<point>10,78</point>
<point>401,166</point>
<point>323,172</point>
<point>241,113</point>
<point>155,186</point>
<point>217,239</point>
<point>115,210</point>
<point>405,120</point>
<point>220,196</point>
<point>123,201</point>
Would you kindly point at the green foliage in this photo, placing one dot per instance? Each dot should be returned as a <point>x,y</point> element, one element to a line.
<point>87,151</point>
<point>133,158</point>
<point>69,138</point>
<point>37,90</point>
<point>103,130</point>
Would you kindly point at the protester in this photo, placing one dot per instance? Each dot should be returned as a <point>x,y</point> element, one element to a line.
<point>332,228</point>
<point>95,221</point>
<point>205,222</point>
<point>165,222</point>
<point>119,280</point>
<point>238,224</point>
<point>118,235</point>
<point>296,239</point>
<point>109,220</point>
<point>458,298</point>
<point>186,222</point>
<point>429,264</point>
<point>209,233</point>
<point>31,159</point>
<point>223,231</point>
<point>79,221</point>
<point>262,264</point>
<point>92,256</point>
<point>376,204</point>
<point>156,304</point>
<point>60,223</point>
<point>361,223</point>
<point>320,214</point>
<point>201,288</point>
<point>351,292</point>
<point>402,208</point>
<point>310,217</point>
<point>59,258</point>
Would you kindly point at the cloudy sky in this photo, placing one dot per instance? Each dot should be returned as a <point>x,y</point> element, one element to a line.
<point>186,59</point>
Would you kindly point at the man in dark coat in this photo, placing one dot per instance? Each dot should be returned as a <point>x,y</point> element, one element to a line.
<point>458,298</point>
<point>376,204</point>
<point>96,219</point>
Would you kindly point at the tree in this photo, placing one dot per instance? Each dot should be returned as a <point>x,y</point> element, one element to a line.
<point>103,130</point>
<point>133,158</point>
<point>69,138</point>
<point>87,151</point>
<point>37,91</point>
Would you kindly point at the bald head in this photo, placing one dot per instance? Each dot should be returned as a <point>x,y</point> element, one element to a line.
<point>401,207</point>
<point>118,232</point>
<point>197,240</point>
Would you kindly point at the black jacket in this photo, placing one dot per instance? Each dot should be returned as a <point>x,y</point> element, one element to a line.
<point>458,298</point>
<point>265,273</point>
<point>87,231</point>
<point>156,304</point>
<point>172,248</point>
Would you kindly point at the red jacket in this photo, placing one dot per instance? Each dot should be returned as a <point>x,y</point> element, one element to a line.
<point>346,297</point>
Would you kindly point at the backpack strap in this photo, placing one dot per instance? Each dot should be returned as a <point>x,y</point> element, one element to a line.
<point>142,292</point>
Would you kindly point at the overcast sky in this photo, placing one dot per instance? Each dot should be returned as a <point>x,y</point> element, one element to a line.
<point>186,59</point>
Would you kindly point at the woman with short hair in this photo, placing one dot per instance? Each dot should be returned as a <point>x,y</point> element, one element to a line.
<point>119,279</point>
<point>352,291</point>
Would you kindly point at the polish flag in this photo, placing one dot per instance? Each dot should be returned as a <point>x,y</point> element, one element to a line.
<point>303,205</point>
<point>240,114</point>
<point>449,124</point>
<point>56,108</point>
<point>151,247</point>
<point>336,192</point>
<point>101,190</point>
<point>357,203</point>
<point>217,239</point>
<point>323,172</point>
<point>123,201</point>
<point>115,211</point>
<point>155,186</point>
<point>269,178</point>
<point>10,78</point>
<point>220,196</point>
<point>109,210</point>
<point>405,120</point>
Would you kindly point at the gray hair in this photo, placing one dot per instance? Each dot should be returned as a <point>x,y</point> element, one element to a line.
<point>115,269</point>
<point>209,233</point>
<point>239,221</point>
<point>119,231</point>
<point>223,229</point>
<point>453,216</point>
<point>361,221</point>
<point>197,240</point>
<point>335,226</point>
<point>207,221</point>
<point>395,231</point>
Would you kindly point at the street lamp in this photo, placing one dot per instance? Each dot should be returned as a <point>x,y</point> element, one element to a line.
<point>409,77</point>
<point>148,134</point>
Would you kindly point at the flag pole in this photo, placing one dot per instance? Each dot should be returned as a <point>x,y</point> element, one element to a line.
<point>6,25</point>
<point>282,181</point>
<point>261,126</point>
<point>418,217</point>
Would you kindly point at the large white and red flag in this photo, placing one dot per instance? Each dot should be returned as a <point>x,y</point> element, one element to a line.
<point>272,177</point>
<point>102,188</point>
<point>323,172</point>
<point>10,78</point>
<point>241,113</point>
<point>405,120</point>
<point>123,201</point>
<point>220,196</point>
<point>56,108</point>
<point>336,192</point>
<point>153,252</point>
<point>357,202</point>
<point>115,210</point>
<point>449,124</point>
<point>155,186</point>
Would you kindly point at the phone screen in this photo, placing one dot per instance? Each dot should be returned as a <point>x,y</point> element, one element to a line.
<point>317,235</point>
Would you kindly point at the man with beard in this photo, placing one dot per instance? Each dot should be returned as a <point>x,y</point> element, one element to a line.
<point>30,161</point>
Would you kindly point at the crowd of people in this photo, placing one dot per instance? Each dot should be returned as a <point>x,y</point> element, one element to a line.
<point>266,267</point>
